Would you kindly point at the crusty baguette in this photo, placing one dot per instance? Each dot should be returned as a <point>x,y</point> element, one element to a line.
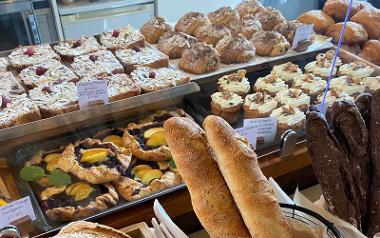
<point>210,197</point>
<point>82,229</point>
<point>250,189</point>
<point>302,230</point>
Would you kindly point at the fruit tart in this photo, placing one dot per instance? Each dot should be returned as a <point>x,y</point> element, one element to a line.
<point>94,161</point>
<point>70,48</point>
<point>154,29</point>
<point>122,38</point>
<point>190,22</point>
<point>199,59</point>
<point>235,49</point>
<point>163,115</point>
<point>173,44</point>
<point>4,63</point>
<point>113,135</point>
<point>147,141</point>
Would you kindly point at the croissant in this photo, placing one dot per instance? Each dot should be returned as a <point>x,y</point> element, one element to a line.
<point>190,22</point>
<point>369,18</point>
<point>354,34</point>
<point>249,7</point>
<point>318,18</point>
<point>223,16</point>
<point>154,29</point>
<point>212,34</point>
<point>174,43</point>
<point>288,29</point>
<point>371,51</point>
<point>200,58</point>
<point>270,43</point>
<point>269,18</point>
<point>247,26</point>
<point>235,49</point>
<point>337,9</point>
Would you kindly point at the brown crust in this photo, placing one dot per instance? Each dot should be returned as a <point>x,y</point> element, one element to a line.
<point>235,49</point>
<point>19,67</point>
<point>249,7</point>
<point>354,34</point>
<point>95,174</point>
<point>47,112</point>
<point>371,51</point>
<point>212,34</point>
<point>318,18</point>
<point>190,22</point>
<point>270,43</point>
<point>160,63</point>
<point>269,18</point>
<point>223,16</point>
<point>154,29</point>
<point>89,230</point>
<point>337,9</point>
<point>200,58</point>
<point>249,113</point>
<point>210,197</point>
<point>229,114</point>
<point>369,18</point>
<point>252,192</point>
<point>174,43</point>
<point>178,112</point>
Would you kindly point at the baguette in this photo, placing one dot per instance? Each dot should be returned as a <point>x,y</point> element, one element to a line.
<point>210,197</point>
<point>250,189</point>
<point>83,229</point>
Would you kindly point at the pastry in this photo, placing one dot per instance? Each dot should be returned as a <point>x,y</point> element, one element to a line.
<point>369,18</point>
<point>156,79</point>
<point>310,84</point>
<point>371,84</point>
<point>249,7</point>
<point>154,29</point>
<point>26,56</point>
<point>354,34</point>
<point>258,105</point>
<point>356,70</point>
<point>55,99</point>
<point>174,43</point>
<point>288,29</point>
<point>288,72</point>
<point>163,115</point>
<point>47,73</point>
<point>70,48</point>
<point>269,18</point>
<point>99,62</point>
<point>323,65</point>
<point>123,38</point>
<point>235,49</point>
<point>363,102</point>
<point>119,86</point>
<point>4,63</point>
<point>141,57</point>
<point>293,97</point>
<point>9,85</point>
<point>147,141</point>
<point>253,194</point>
<point>270,84</point>
<point>223,16</point>
<point>246,26</point>
<point>211,34</point>
<point>301,229</point>
<point>83,229</point>
<point>199,59</point>
<point>351,86</point>
<point>288,117</point>
<point>353,48</point>
<point>337,9</point>
<point>235,83</point>
<point>226,105</point>
<point>112,135</point>
<point>210,196</point>
<point>270,43</point>
<point>334,96</point>
<point>329,56</point>
<point>94,161</point>
<point>318,18</point>
<point>371,51</point>
<point>190,22</point>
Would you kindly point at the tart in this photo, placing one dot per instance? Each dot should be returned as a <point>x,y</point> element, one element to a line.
<point>226,105</point>
<point>223,16</point>
<point>150,80</point>
<point>119,86</point>
<point>99,62</point>
<point>47,73</point>
<point>270,43</point>
<point>310,84</point>
<point>235,83</point>
<point>356,70</point>
<point>246,26</point>
<point>259,105</point>
<point>287,72</point>
<point>269,18</point>
<point>174,43</point>
<point>371,84</point>
<point>122,38</point>
<point>199,59</point>
<point>288,118</point>
<point>26,56</point>
<point>147,141</point>
<point>70,48</point>
<point>113,135</point>
<point>351,86</point>
<point>94,161</point>
<point>288,29</point>
<point>55,99</point>
<point>9,85</point>
<point>4,63</point>
<point>270,84</point>
<point>293,97</point>
<point>190,22</point>
<point>137,57</point>
<point>154,29</point>
<point>235,49</point>
<point>211,34</point>
<point>163,115</point>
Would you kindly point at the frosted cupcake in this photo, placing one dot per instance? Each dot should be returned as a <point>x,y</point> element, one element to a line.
<point>288,117</point>
<point>288,72</point>
<point>356,70</point>
<point>259,105</point>
<point>226,105</point>
<point>270,84</point>
<point>293,97</point>
<point>371,84</point>
<point>351,86</point>
<point>235,83</point>
<point>310,84</point>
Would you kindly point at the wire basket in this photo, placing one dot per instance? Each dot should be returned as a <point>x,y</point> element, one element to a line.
<point>309,217</point>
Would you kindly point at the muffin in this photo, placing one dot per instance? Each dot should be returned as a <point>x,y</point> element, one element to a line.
<point>269,18</point>
<point>287,72</point>
<point>226,105</point>
<point>331,97</point>
<point>356,70</point>
<point>288,117</point>
<point>321,68</point>
<point>234,83</point>
<point>351,86</point>
<point>258,105</point>
<point>270,84</point>
<point>310,84</point>
<point>293,97</point>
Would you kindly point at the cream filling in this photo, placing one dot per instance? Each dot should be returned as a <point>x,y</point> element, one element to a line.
<point>349,69</point>
<point>284,98</point>
<point>280,70</point>
<point>274,87</point>
<point>330,99</point>
<point>235,100</point>
<point>288,119</point>
<point>234,86</point>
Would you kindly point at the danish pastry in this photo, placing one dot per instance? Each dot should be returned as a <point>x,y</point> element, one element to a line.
<point>288,29</point>
<point>248,7</point>
<point>371,51</point>
<point>337,9</point>
<point>318,18</point>
<point>212,34</point>
<point>247,26</point>
<point>354,34</point>
<point>223,16</point>
<point>269,18</point>
<point>190,22</point>
<point>154,29</point>
<point>369,18</point>
<point>200,58</point>
<point>270,43</point>
<point>173,44</point>
<point>235,49</point>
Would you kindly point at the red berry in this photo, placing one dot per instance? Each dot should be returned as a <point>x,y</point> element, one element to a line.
<point>93,58</point>
<point>47,89</point>
<point>115,33</point>
<point>4,101</point>
<point>29,51</point>
<point>135,48</point>
<point>40,70</point>
<point>77,43</point>
<point>152,74</point>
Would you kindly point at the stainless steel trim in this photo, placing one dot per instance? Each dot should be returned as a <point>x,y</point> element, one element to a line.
<point>34,29</point>
<point>8,7</point>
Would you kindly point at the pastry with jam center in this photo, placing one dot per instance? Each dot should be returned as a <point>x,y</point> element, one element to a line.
<point>199,59</point>
<point>226,105</point>
<point>235,83</point>
<point>147,141</point>
<point>259,105</point>
<point>223,16</point>
<point>287,72</point>
<point>154,29</point>
<point>235,49</point>
<point>68,49</point>
<point>163,115</point>
<point>293,97</point>
<point>123,38</point>
<point>190,22</point>
<point>310,84</point>
<point>269,18</point>
<point>356,70</point>
<point>94,161</point>
<point>270,84</point>
<point>288,117</point>
<point>173,44</point>
<point>270,43</point>
<point>212,33</point>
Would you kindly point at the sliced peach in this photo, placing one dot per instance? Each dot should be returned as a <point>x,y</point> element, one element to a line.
<point>53,164</point>
<point>93,151</point>
<point>79,186</point>
<point>157,139</point>
<point>83,193</point>
<point>52,156</point>
<point>117,140</point>
<point>150,176</point>
<point>150,132</point>
<point>93,158</point>
<point>140,167</point>
<point>69,190</point>
<point>142,173</point>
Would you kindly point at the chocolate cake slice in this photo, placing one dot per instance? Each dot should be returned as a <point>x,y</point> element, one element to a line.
<point>363,102</point>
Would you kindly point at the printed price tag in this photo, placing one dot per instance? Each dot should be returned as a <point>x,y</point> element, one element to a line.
<point>93,93</point>
<point>16,210</point>
<point>266,127</point>
<point>303,32</point>
<point>250,133</point>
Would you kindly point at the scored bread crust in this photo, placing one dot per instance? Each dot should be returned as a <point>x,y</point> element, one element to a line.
<point>210,197</point>
<point>83,229</point>
<point>252,192</point>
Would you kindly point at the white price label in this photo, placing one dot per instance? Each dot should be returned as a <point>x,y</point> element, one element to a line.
<point>303,32</point>
<point>92,93</point>
<point>16,210</point>
<point>266,127</point>
<point>250,133</point>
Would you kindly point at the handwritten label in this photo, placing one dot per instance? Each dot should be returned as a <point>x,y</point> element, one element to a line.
<point>250,133</point>
<point>16,210</point>
<point>303,32</point>
<point>266,127</point>
<point>93,93</point>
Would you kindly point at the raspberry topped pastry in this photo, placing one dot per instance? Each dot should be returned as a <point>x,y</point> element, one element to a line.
<point>259,105</point>
<point>26,56</point>
<point>310,84</point>
<point>293,97</point>
<point>4,63</point>
<point>226,105</point>
<point>235,83</point>
<point>70,48</point>
<point>190,22</point>
<point>154,29</point>
<point>248,7</point>
<point>270,84</point>
<point>122,38</point>
<point>356,70</point>
<point>200,58</point>
<point>269,18</point>
<point>223,16</point>
<point>287,72</point>
<point>270,43</point>
<point>235,49</point>
<point>174,43</point>
<point>47,73</point>
<point>212,34</point>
